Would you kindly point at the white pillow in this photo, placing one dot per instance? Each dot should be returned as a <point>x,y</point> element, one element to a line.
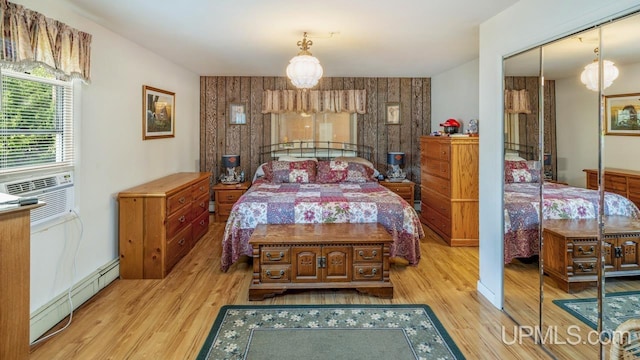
<point>513,157</point>
<point>259,172</point>
<point>359,160</point>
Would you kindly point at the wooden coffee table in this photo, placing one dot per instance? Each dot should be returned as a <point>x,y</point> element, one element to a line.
<point>320,256</point>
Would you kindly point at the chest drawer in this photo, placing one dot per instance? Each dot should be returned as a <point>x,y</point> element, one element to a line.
<point>367,254</point>
<point>228,196</point>
<point>178,246</point>
<point>178,220</point>
<point>367,272</point>
<point>178,200</point>
<point>276,273</point>
<point>273,255</point>
<point>200,205</point>
<point>584,251</point>
<point>439,185</point>
<point>435,219</point>
<point>200,226</point>
<point>437,150</point>
<point>438,203</point>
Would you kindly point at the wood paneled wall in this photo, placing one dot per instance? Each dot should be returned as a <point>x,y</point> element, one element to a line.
<point>218,137</point>
<point>528,125</point>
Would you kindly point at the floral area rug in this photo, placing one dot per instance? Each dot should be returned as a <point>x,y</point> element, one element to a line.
<point>328,332</point>
<point>617,308</point>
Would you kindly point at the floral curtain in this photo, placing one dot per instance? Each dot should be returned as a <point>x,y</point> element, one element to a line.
<point>312,101</point>
<point>517,102</point>
<point>31,40</point>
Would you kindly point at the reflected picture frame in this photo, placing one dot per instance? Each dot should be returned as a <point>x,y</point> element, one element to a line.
<point>158,113</point>
<point>237,113</point>
<point>392,111</point>
<point>622,114</point>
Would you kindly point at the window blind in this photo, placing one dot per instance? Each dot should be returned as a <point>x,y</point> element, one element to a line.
<point>36,124</point>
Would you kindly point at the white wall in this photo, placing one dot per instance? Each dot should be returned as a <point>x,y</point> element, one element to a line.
<point>454,94</point>
<point>522,26</point>
<point>112,154</point>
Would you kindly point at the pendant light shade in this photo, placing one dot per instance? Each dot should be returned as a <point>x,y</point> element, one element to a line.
<point>590,76</point>
<point>304,70</point>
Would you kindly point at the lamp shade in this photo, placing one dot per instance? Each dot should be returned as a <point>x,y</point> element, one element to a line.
<point>304,71</point>
<point>590,75</point>
<point>230,161</point>
<point>547,159</point>
<point>395,158</point>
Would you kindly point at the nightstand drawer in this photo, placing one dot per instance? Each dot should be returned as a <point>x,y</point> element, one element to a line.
<point>229,196</point>
<point>403,190</point>
<point>223,209</point>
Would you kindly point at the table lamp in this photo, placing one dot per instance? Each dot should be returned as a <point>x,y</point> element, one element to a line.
<point>395,159</point>
<point>231,163</point>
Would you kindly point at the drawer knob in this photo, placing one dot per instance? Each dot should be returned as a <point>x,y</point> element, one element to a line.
<point>202,222</point>
<point>275,276</point>
<point>275,259</point>
<point>202,205</point>
<point>229,197</point>
<point>182,200</point>
<point>182,219</point>
<point>374,253</point>
<point>181,242</point>
<point>373,273</point>
<point>585,268</point>
<point>589,252</point>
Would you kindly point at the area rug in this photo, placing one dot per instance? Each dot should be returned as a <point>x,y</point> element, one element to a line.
<point>328,332</point>
<point>617,307</point>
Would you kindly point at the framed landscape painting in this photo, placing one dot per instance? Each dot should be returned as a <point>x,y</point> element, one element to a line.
<point>158,113</point>
<point>621,114</point>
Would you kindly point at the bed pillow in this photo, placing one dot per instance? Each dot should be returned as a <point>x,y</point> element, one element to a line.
<point>290,171</point>
<point>293,158</point>
<point>519,172</point>
<point>336,171</point>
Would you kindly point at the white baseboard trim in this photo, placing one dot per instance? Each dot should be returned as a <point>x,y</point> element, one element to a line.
<point>57,309</point>
<point>489,295</point>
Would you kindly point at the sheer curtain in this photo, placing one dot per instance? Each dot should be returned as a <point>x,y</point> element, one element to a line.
<point>31,40</point>
<point>312,101</point>
<point>515,102</point>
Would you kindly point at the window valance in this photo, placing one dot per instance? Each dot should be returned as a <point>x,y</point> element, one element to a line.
<point>312,101</point>
<point>31,40</point>
<point>517,102</point>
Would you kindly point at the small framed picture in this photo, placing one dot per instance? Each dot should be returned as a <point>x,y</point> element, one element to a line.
<point>621,114</point>
<point>393,113</point>
<point>158,113</point>
<point>237,114</point>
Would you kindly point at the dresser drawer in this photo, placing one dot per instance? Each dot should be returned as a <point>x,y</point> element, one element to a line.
<point>439,185</point>
<point>367,254</point>
<point>200,188</point>
<point>438,203</point>
<point>178,220</point>
<point>200,226</point>
<point>274,255</point>
<point>367,272</point>
<point>200,205</point>
<point>228,196</point>
<point>437,150</point>
<point>584,251</point>
<point>276,273</point>
<point>436,220</point>
<point>177,247</point>
<point>437,168</point>
<point>178,200</point>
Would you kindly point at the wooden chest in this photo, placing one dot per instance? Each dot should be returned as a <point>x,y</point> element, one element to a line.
<point>320,256</point>
<point>159,222</point>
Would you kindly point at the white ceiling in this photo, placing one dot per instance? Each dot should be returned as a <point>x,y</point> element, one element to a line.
<point>400,38</point>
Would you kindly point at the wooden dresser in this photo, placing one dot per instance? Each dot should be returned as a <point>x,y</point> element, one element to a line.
<point>320,256</point>
<point>619,181</point>
<point>449,188</point>
<point>571,250</point>
<point>160,221</point>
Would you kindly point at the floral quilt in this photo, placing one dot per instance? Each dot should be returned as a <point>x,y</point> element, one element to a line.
<point>302,203</point>
<point>521,204</point>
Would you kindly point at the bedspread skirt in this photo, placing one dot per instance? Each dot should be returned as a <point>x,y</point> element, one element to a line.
<point>289,203</point>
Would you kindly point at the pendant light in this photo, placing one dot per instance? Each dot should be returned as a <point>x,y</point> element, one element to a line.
<point>304,70</point>
<point>590,78</point>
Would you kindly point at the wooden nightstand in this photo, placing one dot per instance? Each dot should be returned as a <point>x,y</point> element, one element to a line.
<point>225,196</point>
<point>404,188</point>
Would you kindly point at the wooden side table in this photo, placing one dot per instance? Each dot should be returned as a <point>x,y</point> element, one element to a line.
<point>403,188</point>
<point>225,196</point>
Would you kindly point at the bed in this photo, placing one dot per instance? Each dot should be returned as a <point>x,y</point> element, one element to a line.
<point>299,191</point>
<point>522,202</point>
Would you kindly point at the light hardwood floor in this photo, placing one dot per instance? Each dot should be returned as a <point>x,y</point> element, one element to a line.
<point>170,318</point>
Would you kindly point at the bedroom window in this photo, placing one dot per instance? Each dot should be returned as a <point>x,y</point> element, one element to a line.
<point>36,125</point>
<point>302,129</point>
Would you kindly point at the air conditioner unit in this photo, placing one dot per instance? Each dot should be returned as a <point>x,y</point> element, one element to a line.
<point>55,190</point>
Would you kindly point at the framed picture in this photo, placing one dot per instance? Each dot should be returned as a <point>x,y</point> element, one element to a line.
<point>158,113</point>
<point>621,114</point>
<point>393,113</point>
<point>237,114</point>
